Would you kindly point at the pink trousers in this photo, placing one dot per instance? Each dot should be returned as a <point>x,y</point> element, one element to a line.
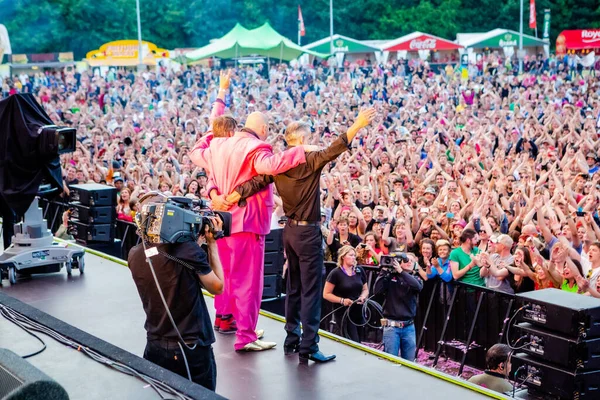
<point>222,306</point>
<point>242,256</point>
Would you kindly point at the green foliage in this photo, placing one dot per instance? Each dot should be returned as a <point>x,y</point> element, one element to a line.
<point>37,26</point>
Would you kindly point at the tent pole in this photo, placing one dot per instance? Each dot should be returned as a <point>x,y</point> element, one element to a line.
<point>520,38</point>
<point>331,32</point>
<point>280,52</point>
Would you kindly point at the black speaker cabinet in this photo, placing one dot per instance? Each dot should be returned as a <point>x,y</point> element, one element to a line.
<point>92,233</point>
<point>274,263</point>
<point>272,286</point>
<point>93,194</point>
<point>20,380</point>
<point>93,215</point>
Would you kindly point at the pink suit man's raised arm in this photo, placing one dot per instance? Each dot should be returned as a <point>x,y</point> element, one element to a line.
<point>218,108</point>
<point>267,163</point>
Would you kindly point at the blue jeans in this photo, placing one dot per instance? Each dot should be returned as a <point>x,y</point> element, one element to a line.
<point>400,339</point>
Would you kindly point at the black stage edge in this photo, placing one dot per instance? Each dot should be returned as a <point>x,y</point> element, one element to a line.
<point>113,352</point>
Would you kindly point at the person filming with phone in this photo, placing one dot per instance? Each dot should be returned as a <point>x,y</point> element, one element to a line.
<point>401,289</point>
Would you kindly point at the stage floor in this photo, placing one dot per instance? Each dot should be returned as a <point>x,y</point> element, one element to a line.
<point>104,302</point>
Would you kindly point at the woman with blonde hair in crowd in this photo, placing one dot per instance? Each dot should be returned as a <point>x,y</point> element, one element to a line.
<point>346,285</point>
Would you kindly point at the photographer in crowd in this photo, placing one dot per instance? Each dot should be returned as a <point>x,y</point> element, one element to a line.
<point>401,289</point>
<point>181,283</point>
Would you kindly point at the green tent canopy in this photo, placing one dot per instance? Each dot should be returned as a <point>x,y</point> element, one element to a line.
<point>498,38</point>
<point>240,42</point>
<point>341,44</point>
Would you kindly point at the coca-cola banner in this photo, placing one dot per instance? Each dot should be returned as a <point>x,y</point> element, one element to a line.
<point>578,40</point>
<point>422,42</point>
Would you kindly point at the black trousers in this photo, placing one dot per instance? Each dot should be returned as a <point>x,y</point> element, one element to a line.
<point>201,361</point>
<point>304,251</point>
<point>8,221</point>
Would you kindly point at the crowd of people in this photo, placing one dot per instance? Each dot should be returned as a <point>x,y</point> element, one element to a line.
<point>491,180</point>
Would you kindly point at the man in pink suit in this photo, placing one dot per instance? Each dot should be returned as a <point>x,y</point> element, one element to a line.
<point>224,322</point>
<point>231,162</point>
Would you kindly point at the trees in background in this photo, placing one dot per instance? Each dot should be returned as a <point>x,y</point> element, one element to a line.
<point>37,26</point>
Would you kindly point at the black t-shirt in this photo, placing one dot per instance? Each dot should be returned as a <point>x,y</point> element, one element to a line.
<point>181,288</point>
<point>527,285</point>
<point>353,239</point>
<point>348,287</point>
<point>360,205</point>
<point>73,182</point>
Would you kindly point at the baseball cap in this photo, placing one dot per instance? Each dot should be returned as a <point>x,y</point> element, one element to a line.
<point>201,173</point>
<point>504,240</point>
<point>430,189</point>
<point>117,179</point>
<point>460,222</point>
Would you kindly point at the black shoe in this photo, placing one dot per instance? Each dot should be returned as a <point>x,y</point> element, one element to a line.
<point>317,357</point>
<point>288,350</point>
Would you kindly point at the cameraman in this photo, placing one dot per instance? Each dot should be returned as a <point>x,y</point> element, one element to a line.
<point>182,290</point>
<point>401,290</point>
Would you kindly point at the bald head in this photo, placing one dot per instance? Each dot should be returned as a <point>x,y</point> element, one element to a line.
<point>529,230</point>
<point>257,121</point>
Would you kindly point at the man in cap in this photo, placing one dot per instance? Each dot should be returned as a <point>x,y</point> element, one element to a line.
<point>430,194</point>
<point>494,269</point>
<point>592,162</point>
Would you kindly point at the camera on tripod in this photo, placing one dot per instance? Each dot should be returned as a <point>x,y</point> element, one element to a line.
<point>165,219</point>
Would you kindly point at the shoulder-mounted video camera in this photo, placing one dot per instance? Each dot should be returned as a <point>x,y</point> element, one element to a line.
<point>387,261</point>
<point>172,219</point>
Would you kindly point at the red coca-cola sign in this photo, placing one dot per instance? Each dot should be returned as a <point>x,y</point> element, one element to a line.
<point>421,41</point>
<point>427,44</point>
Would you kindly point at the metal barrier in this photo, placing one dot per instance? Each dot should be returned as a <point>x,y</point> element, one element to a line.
<point>454,320</point>
<point>461,321</point>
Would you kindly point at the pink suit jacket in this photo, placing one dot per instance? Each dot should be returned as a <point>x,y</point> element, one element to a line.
<point>235,160</point>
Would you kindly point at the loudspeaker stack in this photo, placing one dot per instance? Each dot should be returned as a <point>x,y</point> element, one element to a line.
<point>559,344</point>
<point>274,261</point>
<point>93,213</point>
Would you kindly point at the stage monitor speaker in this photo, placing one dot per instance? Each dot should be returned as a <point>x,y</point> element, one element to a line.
<point>94,195</point>
<point>19,380</point>
<point>554,381</point>
<point>557,310</point>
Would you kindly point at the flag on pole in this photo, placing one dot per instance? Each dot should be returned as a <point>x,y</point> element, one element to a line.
<point>532,18</point>
<point>301,29</point>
